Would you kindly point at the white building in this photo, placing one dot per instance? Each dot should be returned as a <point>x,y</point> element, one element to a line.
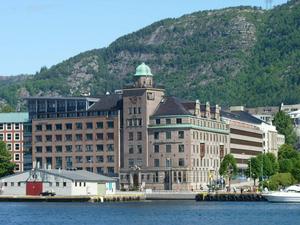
<point>60,182</point>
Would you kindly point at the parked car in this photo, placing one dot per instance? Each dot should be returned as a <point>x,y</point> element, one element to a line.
<point>47,193</point>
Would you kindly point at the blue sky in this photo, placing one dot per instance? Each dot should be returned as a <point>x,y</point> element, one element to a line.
<point>36,33</point>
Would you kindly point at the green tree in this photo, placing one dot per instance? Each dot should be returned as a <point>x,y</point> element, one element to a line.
<point>228,167</point>
<point>279,180</point>
<point>255,166</point>
<point>7,108</point>
<point>284,125</point>
<point>6,166</point>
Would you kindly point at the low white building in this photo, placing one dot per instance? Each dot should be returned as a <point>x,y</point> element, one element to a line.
<point>60,182</point>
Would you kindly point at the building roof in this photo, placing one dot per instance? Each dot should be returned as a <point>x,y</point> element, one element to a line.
<point>143,70</point>
<point>108,102</point>
<point>14,117</point>
<point>78,175</point>
<point>241,116</point>
<point>171,106</point>
<point>93,99</point>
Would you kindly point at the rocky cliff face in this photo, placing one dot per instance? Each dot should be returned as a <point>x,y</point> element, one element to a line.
<point>238,55</point>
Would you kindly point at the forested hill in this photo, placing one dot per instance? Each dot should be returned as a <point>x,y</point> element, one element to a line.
<point>231,56</point>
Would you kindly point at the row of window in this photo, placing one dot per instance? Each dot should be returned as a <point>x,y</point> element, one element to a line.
<point>178,177</point>
<point>210,124</point>
<point>76,137</point>
<point>131,149</point>
<point>76,148</point>
<point>134,110</point>
<point>10,126</point>
<point>168,148</point>
<point>17,147</point>
<point>138,136</point>
<point>168,121</point>
<point>205,136</point>
<point>71,126</point>
<point>137,122</point>
<point>77,159</point>
<point>168,162</point>
<point>9,137</point>
<point>168,135</point>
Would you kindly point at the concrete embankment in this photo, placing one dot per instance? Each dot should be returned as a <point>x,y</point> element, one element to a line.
<point>246,197</point>
<point>106,198</point>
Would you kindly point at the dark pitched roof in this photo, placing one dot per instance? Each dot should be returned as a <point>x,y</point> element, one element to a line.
<point>241,116</point>
<point>108,102</point>
<point>171,106</point>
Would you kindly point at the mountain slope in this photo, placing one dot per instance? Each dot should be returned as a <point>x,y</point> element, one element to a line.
<point>232,56</point>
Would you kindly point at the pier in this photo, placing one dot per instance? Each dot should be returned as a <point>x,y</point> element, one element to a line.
<point>245,197</point>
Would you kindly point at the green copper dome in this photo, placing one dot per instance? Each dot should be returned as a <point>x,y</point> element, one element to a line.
<point>143,70</point>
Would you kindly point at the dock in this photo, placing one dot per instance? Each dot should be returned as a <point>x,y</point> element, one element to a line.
<point>245,197</point>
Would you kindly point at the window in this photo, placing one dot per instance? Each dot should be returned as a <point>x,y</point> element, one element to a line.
<point>8,136</point>
<point>99,136</point>
<point>17,157</point>
<point>99,159</point>
<point>131,162</point>
<point>99,125</point>
<point>1,126</point>
<point>79,159</point>
<point>110,170</point>
<point>156,162</point>
<point>157,121</point>
<point>57,184</point>
<point>139,136</point>
<point>89,148</point>
<point>78,126</point>
<point>48,148</point>
<point>181,162</point>
<point>100,170</point>
<point>58,161</point>
<point>139,110</point>
<point>58,137</point>
<point>156,148</point>
<point>168,121</point>
<point>150,95</point>
<point>140,149</point>
<point>1,137</point>
<point>88,137</point>
<point>38,127</point>
<point>129,110</point>
<point>156,135</point>
<point>68,148</point>
<point>64,184</point>
<point>110,124</point>
<point>48,127</point>
<point>58,126</point>
<point>168,134</point>
<point>68,126</point>
<point>89,125</point>
<point>110,147</point>
<point>17,126</point>
<point>38,149</point>
<point>8,126</point>
<point>168,162</point>
<point>17,136</point>
<point>131,149</point>
<point>68,137</point>
<point>49,138</point>
<point>78,148</point>
<point>130,136</point>
<point>17,146</point>
<point>110,158</point>
<point>181,134</point>
<point>99,148</point>
<point>58,148</point>
<point>168,148</point>
<point>178,120</point>
<point>38,138</point>
<point>110,136</point>
<point>78,137</point>
<point>180,148</point>
<point>89,159</point>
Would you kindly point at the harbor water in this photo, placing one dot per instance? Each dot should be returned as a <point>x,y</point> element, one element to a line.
<point>149,212</point>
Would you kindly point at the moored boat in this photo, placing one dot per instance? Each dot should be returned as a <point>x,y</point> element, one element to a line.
<point>290,194</point>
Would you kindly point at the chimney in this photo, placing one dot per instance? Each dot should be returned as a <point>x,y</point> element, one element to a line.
<point>207,110</point>
<point>197,108</point>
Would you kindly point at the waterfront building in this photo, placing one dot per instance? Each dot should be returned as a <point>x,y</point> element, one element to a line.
<point>265,113</point>
<point>61,182</point>
<point>77,133</point>
<point>11,132</point>
<point>169,143</point>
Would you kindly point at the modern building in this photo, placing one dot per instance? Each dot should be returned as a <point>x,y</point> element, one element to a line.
<point>266,113</point>
<point>169,143</point>
<point>11,132</point>
<point>77,133</point>
<point>60,182</point>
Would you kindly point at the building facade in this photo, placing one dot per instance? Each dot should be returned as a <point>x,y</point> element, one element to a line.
<point>168,143</point>
<point>86,139</point>
<point>11,132</point>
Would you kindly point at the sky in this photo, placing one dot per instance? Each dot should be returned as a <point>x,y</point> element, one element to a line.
<point>37,33</point>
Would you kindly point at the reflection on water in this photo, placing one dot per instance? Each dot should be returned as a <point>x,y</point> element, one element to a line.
<point>150,212</point>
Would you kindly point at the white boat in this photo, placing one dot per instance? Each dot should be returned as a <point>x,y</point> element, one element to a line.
<point>290,194</point>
